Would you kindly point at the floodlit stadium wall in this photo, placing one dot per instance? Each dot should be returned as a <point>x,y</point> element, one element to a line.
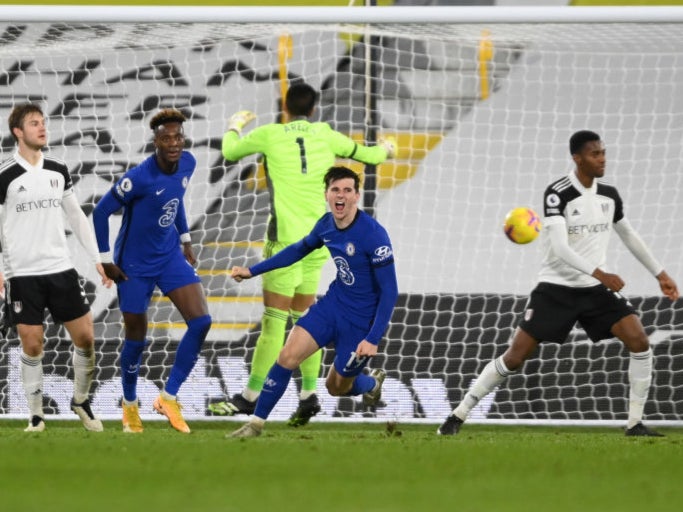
<point>482,102</point>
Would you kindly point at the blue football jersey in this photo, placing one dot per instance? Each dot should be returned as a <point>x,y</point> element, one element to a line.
<point>153,215</point>
<point>365,288</point>
<point>356,251</point>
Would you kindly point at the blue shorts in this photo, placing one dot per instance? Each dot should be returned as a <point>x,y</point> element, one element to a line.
<point>136,292</point>
<point>324,322</point>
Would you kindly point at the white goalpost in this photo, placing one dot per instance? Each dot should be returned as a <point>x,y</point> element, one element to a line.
<point>482,101</point>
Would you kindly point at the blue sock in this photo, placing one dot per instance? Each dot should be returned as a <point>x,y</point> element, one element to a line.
<point>362,384</point>
<point>188,352</point>
<point>273,389</point>
<point>131,357</point>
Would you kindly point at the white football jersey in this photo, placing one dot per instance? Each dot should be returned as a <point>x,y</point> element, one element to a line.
<point>589,215</point>
<point>32,221</point>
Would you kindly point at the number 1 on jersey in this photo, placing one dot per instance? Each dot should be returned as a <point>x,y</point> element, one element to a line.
<point>302,154</point>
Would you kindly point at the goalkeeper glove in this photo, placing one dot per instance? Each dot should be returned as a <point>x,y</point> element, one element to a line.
<point>389,144</point>
<point>240,119</point>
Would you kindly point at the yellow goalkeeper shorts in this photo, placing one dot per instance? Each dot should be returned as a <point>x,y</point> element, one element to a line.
<point>302,277</point>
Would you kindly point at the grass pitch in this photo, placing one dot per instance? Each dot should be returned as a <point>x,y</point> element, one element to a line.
<point>338,467</point>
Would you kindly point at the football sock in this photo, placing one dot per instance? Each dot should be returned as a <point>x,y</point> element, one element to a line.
<point>187,352</point>
<point>131,357</point>
<point>273,389</point>
<point>84,366</point>
<point>268,346</point>
<point>32,380</point>
<point>493,374</point>
<point>640,378</point>
<point>362,384</point>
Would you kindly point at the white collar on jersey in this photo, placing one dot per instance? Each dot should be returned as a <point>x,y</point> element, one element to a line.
<point>26,164</point>
<point>593,189</point>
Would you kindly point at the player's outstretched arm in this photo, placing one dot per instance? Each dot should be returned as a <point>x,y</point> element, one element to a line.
<point>240,273</point>
<point>668,285</point>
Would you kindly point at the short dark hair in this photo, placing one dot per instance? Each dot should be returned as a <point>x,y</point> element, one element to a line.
<point>579,140</point>
<point>339,173</point>
<point>168,115</point>
<point>300,99</point>
<point>19,113</point>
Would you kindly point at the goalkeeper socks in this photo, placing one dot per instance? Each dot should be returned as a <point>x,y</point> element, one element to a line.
<point>362,384</point>
<point>84,365</point>
<point>187,352</point>
<point>493,374</point>
<point>32,380</point>
<point>268,346</point>
<point>273,389</point>
<point>640,378</point>
<point>131,357</point>
<point>310,368</point>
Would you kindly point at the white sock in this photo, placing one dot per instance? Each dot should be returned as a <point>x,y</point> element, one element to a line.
<point>32,381</point>
<point>640,378</point>
<point>250,395</point>
<point>305,394</point>
<point>167,396</point>
<point>257,422</point>
<point>84,367</point>
<point>493,374</point>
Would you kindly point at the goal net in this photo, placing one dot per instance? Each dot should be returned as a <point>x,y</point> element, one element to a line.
<point>482,113</point>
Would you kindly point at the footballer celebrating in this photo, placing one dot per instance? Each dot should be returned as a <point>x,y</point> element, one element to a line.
<point>354,312</point>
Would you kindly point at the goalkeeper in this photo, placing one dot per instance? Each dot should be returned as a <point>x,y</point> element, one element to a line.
<point>296,157</point>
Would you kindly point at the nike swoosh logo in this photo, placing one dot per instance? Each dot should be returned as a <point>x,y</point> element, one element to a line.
<point>326,240</point>
<point>160,191</point>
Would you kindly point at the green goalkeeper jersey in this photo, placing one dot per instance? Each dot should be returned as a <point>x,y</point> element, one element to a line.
<point>297,156</point>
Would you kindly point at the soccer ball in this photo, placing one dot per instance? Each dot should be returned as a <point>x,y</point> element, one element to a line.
<point>522,225</point>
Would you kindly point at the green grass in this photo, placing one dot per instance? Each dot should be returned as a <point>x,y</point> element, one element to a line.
<point>338,467</point>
